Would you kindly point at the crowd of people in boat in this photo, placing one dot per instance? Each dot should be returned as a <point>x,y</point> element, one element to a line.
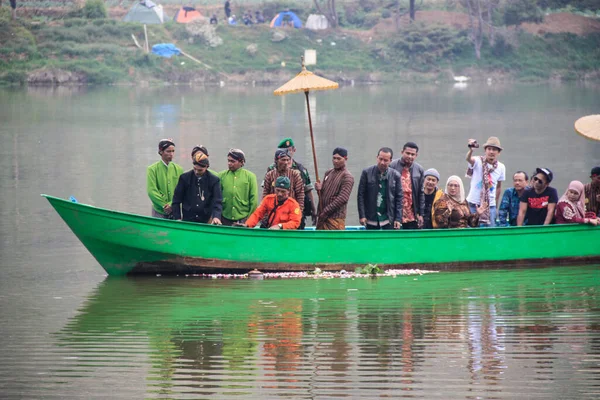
<point>392,194</point>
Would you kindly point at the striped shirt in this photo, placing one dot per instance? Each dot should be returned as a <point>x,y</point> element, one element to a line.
<point>296,184</point>
<point>591,201</point>
<point>335,193</point>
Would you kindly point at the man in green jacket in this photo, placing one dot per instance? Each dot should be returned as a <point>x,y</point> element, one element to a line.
<point>240,190</point>
<point>162,177</point>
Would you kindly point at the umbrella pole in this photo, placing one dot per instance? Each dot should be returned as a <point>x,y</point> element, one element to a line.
<point>312,138</point>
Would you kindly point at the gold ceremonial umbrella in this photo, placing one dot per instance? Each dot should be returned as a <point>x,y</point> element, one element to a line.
<point>306,81</point>
<point>589,126</point>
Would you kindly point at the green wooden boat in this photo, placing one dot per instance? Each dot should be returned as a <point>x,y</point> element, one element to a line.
<point>131,244</point>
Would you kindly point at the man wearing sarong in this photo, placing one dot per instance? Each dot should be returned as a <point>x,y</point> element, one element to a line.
<point>239,188</point>
<point>282,162</point>
<point>278,210</point>
<point>197,196</point>
<point>334,193</point>
<point>161,179</point>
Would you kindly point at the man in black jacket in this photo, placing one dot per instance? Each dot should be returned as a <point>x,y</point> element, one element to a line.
<point>198,192</point>
<point>380,194</point>
<point>411,178</point>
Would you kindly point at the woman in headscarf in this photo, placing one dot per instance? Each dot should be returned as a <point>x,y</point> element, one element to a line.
<point>451,210</point>
<point>570,208</point>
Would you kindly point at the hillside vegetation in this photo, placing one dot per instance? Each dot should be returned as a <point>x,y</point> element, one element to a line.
<point>77,47</point>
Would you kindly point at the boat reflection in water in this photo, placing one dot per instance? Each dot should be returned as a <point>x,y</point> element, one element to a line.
<point>473,334</point>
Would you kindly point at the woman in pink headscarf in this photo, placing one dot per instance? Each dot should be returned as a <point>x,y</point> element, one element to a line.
<point>570,208</point>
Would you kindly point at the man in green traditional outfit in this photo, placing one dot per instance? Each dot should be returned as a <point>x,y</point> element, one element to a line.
<point>240,190</point>
<point>162,177</point>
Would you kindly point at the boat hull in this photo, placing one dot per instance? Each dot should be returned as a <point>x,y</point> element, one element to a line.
<point>130,244</point>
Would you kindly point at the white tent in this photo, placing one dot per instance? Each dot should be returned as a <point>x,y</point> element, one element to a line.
<point>145,12</point>
<point>316,22</point>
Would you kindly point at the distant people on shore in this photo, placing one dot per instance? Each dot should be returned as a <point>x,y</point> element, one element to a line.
<point>247,18</point>
<point>227,8</point>
<point>232,20</point>
<point>161,179</point>
<point>213,19</point>
<point>259,18</point>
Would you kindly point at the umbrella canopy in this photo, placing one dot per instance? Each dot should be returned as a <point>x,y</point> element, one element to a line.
<point>589,126</point>
<point>306,81</point>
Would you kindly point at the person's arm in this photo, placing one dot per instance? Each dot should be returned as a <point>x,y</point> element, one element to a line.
<point>298,187</point>
<point>469,156</point>
<point>498,191</point>
<point>550,214</point>
<point>268,184</point>
<point>503,210</point>
<point>295,218</point>
<point>257,215</point>
<point>360,197</point>
<point>157,198</point>
<point>398,196</point>
<point>522,212</point>
<point>252,192</point>
<point>342,198</point>
<point>441,213</point>
<point>217,201</point>
<point>178,197</point>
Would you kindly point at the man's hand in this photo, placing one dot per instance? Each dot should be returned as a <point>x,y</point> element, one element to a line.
<point>216,221</point>
<point>167,209</point>
<point>275,227</point>
<point>363,221</point>
<point>397,225</point>
<point>318,186</point>
<point>420,221</point>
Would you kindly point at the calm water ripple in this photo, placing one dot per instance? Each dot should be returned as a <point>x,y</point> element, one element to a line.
<point>489,334</point>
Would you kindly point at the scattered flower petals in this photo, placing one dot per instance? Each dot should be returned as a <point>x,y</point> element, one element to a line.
<point>321,275</point>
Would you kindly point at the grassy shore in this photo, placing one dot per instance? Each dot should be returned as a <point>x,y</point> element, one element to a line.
<point>102,51</point>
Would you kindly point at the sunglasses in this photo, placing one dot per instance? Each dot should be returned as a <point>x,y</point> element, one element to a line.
<point>536,179</point>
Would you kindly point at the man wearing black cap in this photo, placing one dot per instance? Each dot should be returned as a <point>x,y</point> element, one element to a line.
<point>538,202</point>
<point>592,192</point>
<point>334,193</point>
<point>278,210</point>
<point>161,179</point>
<point>197,196</point>
<point>240,190</point>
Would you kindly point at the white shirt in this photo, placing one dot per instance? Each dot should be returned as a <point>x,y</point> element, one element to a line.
<point>498,175</point>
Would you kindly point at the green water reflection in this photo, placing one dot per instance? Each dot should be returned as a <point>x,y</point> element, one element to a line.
<point>481,333</point>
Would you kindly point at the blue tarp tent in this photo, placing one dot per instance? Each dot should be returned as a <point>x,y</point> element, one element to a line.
<point>286,16</point>
<point>167,50</point>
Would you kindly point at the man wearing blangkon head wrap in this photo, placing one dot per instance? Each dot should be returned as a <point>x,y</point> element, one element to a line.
<point>161,179</point>
<point>240,190</point>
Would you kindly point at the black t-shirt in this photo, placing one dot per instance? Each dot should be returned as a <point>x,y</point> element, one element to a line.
<point>537,204</point>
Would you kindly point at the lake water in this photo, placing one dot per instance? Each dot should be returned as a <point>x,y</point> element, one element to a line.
<point>67,331</point>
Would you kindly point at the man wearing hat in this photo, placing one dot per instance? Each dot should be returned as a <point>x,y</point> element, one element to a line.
<point>161,179</point>
<point>487,175</point>
<point>309,208</point>
<point>197,196</point>
<point>334,193</point>
<point>539,201</point>
<point>239,188</point>
<point>431,193</point>
<point>592,192</point>
<point>282,162</point>
<point>411,176</point>
<point>278,210</point>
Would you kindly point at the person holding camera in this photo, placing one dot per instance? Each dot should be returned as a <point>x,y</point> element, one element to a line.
<point>487,175</point>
